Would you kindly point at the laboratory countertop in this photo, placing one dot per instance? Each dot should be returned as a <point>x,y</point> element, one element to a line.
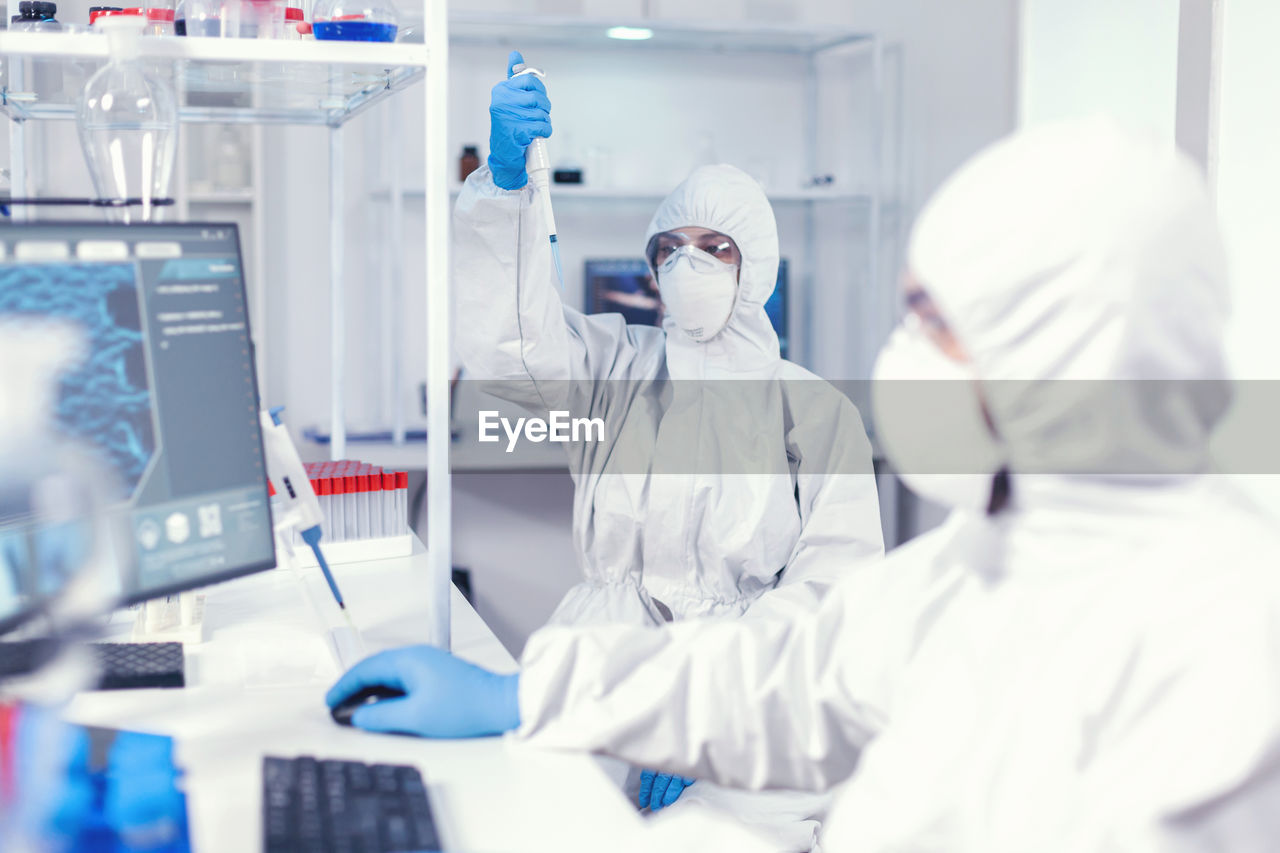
<point>256,687</point>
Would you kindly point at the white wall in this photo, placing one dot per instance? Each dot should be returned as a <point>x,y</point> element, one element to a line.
<point>1100,56</point>
<point>1247,167</point>
<point>1245,148</point>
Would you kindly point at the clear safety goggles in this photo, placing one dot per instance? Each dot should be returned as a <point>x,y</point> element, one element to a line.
<point>664,248</point>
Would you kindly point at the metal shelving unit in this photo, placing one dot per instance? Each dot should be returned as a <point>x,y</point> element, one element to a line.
<point>247,81</point>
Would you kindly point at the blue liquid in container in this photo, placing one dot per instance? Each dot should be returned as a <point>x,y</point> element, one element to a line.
<point>354,31</point>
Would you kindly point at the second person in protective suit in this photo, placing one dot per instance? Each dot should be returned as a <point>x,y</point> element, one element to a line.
<point>731,483</point>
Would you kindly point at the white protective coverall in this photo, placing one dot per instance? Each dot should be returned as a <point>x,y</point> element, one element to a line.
<point>744,487</point>
<point>1096,668</point>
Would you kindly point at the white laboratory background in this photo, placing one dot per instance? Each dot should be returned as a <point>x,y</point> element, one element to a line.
<point>637,118</point>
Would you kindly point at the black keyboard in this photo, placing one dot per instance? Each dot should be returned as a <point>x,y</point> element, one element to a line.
<point>126,665</point>
<point>122,665</point>
<point>337,806</point>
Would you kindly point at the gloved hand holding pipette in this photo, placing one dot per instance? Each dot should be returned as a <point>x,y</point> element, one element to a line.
<point>519,113</point>
<point>520,122</point>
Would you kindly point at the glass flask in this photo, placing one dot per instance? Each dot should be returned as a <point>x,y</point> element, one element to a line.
<point>128,123</point>
<point>355,20</point>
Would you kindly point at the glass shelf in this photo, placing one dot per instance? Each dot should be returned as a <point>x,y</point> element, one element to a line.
<point>228,81</point>
<point>738,36</point>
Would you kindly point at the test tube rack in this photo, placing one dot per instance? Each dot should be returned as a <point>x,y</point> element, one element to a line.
<point>365,509</point>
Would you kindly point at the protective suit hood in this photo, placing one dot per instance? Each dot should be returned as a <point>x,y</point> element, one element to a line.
<point>1082,269</point>
<point>726,199</point>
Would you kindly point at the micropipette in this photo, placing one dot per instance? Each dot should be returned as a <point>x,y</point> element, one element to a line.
<point>300,510</point>
<point>538,164</point>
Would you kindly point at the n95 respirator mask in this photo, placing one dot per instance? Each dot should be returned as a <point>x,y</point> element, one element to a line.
<point>698,291</point>
<point>930,421</point>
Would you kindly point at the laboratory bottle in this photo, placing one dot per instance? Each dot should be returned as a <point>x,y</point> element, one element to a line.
<point>355,20</point>
<point>468,162</point>
<point>294,23</point>
<point>42,77</point>
<point>128,124</point>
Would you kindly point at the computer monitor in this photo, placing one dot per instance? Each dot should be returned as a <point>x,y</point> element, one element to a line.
<point>166,397</point>
<point>624,286</point>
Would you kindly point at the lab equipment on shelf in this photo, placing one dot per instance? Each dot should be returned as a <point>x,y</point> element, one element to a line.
<point>36,16</point>
<point>295,25</point>
<point>262,19</point>
<point>468,162</point>
<point>96,12</point>
<point>128,123</point>
<point>156,21</point>
<point>355,20</point>
<point>210,18</point>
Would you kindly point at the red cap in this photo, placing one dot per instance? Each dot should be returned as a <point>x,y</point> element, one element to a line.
<point>325,486</point>
<point>107,13</point>
<point>292,14</point>
<point>362,482</point>
<point>339,486</point>
<point>350,483</point>
<point>402,479</point>
<point>160,14</point>
<point>271,490</point>
<point>388,480</point>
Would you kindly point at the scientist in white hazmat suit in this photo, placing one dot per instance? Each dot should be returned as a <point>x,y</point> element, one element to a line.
<point>1084,658</point>
<point>732,483</point>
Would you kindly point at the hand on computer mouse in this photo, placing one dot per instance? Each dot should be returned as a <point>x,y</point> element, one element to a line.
<point>444,697</point>
<point>659,790</point>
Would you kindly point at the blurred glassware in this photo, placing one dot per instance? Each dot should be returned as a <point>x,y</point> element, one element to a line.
<point>128,123</point>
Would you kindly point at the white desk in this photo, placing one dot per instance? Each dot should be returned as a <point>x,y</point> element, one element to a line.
<point>256,687</point>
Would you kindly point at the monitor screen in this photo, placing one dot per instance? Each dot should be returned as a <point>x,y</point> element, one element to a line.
<point>624,286</point>
<point>164,396</point>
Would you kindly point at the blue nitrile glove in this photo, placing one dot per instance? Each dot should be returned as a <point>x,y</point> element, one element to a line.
<point>444,697</point>
<point>659,790</point>
<point>519,112</point>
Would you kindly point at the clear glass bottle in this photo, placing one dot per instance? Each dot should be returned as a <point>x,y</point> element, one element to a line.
<point>355,20</point>
<point>128,123</point>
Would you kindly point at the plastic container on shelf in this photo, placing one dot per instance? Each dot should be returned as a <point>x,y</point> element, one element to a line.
<point>155,22</point>
<point>212,18</point>
<point>36,16</point>
<point>355,20</point>
<point>159,22</point>
<point>42,78</point>
<point>262,19</point>
<point>294,24</point>
<point>96,12</point>
<point>160,17</point>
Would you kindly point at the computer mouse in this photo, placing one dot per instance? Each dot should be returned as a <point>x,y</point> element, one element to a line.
<point>346,709</point>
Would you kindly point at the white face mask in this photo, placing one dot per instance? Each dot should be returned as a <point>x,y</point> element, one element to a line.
<point>698,292</point>
<point>933,432</point>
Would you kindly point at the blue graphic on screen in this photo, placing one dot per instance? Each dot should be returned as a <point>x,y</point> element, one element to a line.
<point>105,402</point>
